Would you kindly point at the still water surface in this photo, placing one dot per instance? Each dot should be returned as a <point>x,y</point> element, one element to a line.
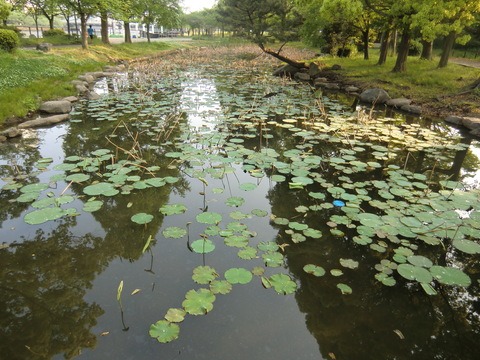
<point>59,280</point>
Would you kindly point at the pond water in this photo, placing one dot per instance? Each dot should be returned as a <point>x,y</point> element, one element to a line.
<point>251,216</point>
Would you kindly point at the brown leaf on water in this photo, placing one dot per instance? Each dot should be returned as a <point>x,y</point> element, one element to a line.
<point>136,291</point>
<point>332,356</point>
<point>399,333</point>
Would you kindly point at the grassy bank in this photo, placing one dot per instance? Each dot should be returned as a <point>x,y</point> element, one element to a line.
<point>427,85</point>
<point>30,77</point>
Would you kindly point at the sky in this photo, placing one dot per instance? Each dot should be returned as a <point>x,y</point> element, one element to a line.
<point>196,5</point>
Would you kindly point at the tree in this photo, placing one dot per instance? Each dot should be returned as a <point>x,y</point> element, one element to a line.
<point>47,8</point>
<point>5,9</point>
<point>84,9</point>
<point>164,12</point>
<point>264,21</point>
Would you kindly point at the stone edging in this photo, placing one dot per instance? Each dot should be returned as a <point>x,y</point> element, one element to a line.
<point>53,112</point>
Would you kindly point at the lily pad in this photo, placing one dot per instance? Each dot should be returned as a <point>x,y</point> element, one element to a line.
<point>175,315</point>
<point>416,273</point>
<point>43,215</point>
<point>174,232</point>
<point>198,302</point>
<point>314,270</point>
<point>202,246</point>
<point>283,284</point>
<point>220,287</point>
<point>173,209</point>
<point>211,218</point>
<point>238,276</point>
<point>450,276</point>
<point>164,331</point>
<point>344,288</point>
<point>204,274</point>
<point>142,218</point>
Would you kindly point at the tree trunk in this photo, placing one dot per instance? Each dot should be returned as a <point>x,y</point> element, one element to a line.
<point>401,63</point>
<point>128,37</point>
<point>393,43</point>
<point>83,28</point>
<point>365,37</point>
<point>104,27</point>
<point>384,42</point>
<point>300,65</point>
<point>447,48</point>
<point>50,21</point>
<point>427,50</point>
<point>68,27</point>
<point>148,32</point>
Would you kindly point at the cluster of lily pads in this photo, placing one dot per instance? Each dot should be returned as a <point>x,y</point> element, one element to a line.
<point>356,180</point>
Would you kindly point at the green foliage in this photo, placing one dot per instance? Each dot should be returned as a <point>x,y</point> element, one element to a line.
<point>8,40</point>
<point>53,33</point>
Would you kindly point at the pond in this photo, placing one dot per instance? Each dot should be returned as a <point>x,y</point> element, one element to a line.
<point>209,211</point>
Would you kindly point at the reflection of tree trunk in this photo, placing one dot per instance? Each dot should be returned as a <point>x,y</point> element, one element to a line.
<point>458,160</point>
<point>427,49</point>
<point>384,42</point>
<point>447,48</point>
<point>128,37</point>
<point>401,64</point>
<point>104,27</point>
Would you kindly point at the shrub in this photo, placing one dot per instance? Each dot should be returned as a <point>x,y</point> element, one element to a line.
<point>8,40</point>
<point>53,32</point>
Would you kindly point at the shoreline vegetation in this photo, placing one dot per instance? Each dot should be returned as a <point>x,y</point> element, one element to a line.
<point>32,77</point>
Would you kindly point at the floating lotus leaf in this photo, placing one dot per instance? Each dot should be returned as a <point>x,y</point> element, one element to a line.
<point>93,205</point>
<point>267,246</point>
<point>336,272</point>
<point>429,290</point>
<point>349,263</point>
<point>238,215</point>
<point>202,246</point>
<point>314,270</point>
<point>142,218</point>
<point>283,284</point>
<point>385,279</point>
<point>238,276</point>
<point>175,315</point>
<point>34,188</point>
<point>238,241</point>
<point>174,232</point>
<point>236,226</point>
<point>344,288</point>
<point>259,212</point>
<point>234,201</point>
<point>297,226</point>
<point>302,180</point>
<point>412,272</point>
<point>101,188</point>
<point>467,246</point>
<point>247,253</point>
<point>419,260</point>
<point>272,259</point>
<point>220,287</point>
<point>173,209</point>
<point>43,215</point>
<point>155,182</point>
<point>248,186</point>
<point>204,274</point>
<point>298,238</point>
<point>78,178</point>
<point>198,302</point>
<point>450,276</point>
<point>370,220</point>
<point>312,233</point>
<point>207,217</point>
<point>164,331</point>
<point>278,178</point>
<point>281,221</point>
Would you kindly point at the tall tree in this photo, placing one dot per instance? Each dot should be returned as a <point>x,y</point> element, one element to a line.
<point>264,21</point>
<point>84,9</point>
<point>47,8</point>
<point>5,9</point>
<point>159,12</point>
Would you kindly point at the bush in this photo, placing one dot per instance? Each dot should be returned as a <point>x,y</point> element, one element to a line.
<point>53,32</point>
<point>8,40</point>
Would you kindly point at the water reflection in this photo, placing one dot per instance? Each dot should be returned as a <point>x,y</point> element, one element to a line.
<point>59,280</point>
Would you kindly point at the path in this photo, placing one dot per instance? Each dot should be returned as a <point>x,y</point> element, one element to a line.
<point>466,62</point>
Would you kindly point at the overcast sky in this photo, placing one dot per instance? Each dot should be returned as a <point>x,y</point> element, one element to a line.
<point>196,5</point>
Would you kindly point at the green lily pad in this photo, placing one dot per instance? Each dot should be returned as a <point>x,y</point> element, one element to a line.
<point>450,276</point>
<point>198,302</point>
<point>93,205</point>
<point>238,276</point>
<point>416,273</point>
<point>267,246</point>
<point>344,288</point>
<point>419,260</point>
<point>175,315</point>
<point>283,284</point>
<point>248,186</point>
<point>173,209</point>
<point>35,188</point>
<point>207,217</point>
<point>101,188</point>
<point>204,274</point>
<point>164,331</point>
<point>202,246</point>
<point>174,232</point>
<point>272,259</point>
<point>247,253</point>
<point>77,178</point>
<point>142,218</point>
<point>43,215</point>
<point>466,246</point>
<point>235,201</point>
<point>314,270</point>
<point>349,263</point>
<point>238,241</point>
<point>220,287</point>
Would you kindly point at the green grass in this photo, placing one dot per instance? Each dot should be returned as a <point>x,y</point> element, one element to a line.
<point>30,77</point>
<point>423,80</point>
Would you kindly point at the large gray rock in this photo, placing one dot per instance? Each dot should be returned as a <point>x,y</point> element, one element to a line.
<point>43,121</point>
<point>374,96</point>
<point>331,86</point>
<point>452,119</point>
<point>81,89</point>
<point>45,47</point>
<point>412,109</point>
<point>398,102</point>
<point>301,76</point>
<point>87,77</point>
<point>471,123</point>
<point>314,70</point>
<point>72,99</point>
<point>56,107</point>
<point>11,132</point>
<point>351,88</point>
